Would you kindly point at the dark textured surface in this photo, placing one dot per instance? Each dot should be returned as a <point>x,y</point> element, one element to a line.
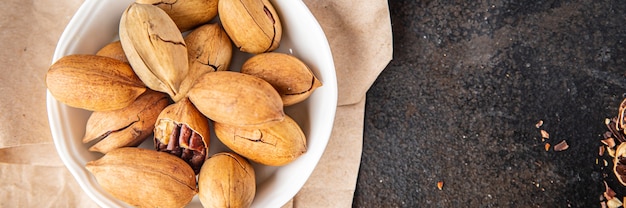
<point>469,81</point>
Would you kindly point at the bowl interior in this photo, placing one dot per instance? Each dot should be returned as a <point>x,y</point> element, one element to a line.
<point>96,24</point>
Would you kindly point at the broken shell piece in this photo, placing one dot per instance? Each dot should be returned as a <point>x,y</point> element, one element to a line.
<point>608,192</point>
<point>547,146</point>
<point>440,185</point>
<point>126,127</point>
<point>545,134</point>
<point>612,125</point>
<point>611,152</point>
<point>561,146</point>
<point>614,203</point>
<point>619,163</point>
<point>183,131</point>
<point>609,142</point>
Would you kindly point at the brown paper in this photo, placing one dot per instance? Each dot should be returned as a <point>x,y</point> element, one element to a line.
<point>359,34</point>
<point>40,186</point>
<point>333,181</point>
<point>33,174</point>
<point>30,31</point>
<point>43,154</point>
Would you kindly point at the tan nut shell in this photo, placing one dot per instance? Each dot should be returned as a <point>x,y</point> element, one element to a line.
<point>291,77</point>
<point>155,48</point>
<point>186,14</point>
<point>619,167</point>
<point>95,83</point>
<point>237,99</point>
<point>113,50</point>
<point>277,145</point>
<point>226,180</point>
<point>182,112</point>
<point>253,25</point>
<point>125,127</point>
<point>209,49</point>
<point>145,178</point>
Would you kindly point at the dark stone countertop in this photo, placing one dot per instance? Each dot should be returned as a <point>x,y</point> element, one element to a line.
<point>467,84</point>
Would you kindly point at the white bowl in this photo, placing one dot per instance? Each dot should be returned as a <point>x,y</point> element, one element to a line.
<point>96,23</point>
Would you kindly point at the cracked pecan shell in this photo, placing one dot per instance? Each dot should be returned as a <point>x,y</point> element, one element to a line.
<point>276,145</point>
<point>155,48</point>
<point>253,25</point>
<point>126,127</point>
<point>209,49</point>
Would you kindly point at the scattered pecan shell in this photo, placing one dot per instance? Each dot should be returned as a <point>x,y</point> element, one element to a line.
<point>619,163</point>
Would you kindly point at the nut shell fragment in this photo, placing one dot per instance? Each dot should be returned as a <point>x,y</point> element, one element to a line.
<point>95,83</point>
<point>619,163</point>
<point>291,77</point>
<point>145,178</point>
<point>237,99</point>
<point>226,180</point>
<point>253,25</point>
<point>276,145</point>
<point>561,146</point>
<point>125,127</point>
